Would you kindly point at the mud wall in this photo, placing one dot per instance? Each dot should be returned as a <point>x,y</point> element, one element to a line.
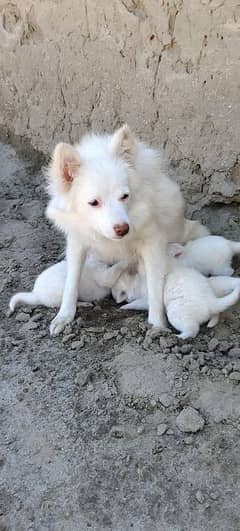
<point>171,69</point>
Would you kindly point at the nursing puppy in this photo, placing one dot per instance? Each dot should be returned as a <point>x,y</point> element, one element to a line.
<point>211,255</point>
<point>110,194</point>
<point>95,284</point>
<point>190,299</point>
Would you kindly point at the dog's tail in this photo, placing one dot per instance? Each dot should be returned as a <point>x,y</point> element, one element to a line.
<point>27,297</point>
<point>235,247</point>
<point>224,302</point>
<point>194,229</point>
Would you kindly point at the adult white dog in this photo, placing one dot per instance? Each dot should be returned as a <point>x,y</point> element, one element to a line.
<point>110,194</point>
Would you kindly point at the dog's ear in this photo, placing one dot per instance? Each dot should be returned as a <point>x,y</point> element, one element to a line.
<point>123,142</point>
<point>63,168</point>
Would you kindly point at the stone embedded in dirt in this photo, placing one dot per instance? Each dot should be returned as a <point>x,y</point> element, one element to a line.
<point>213,343</point>
<point>78,344</point>
<point>189,420</point>
<point>185,349</point>
<point>224,346</point>
<point>235,376</point>
<point>161,429</point>
<point>165,399</point>
<point>200,496</point>
<point>30,325</point>
<point>234,352</point>
<point>110,335</point>
<point>22,317</point>
<point>67,338</point>
<point>37,317</point>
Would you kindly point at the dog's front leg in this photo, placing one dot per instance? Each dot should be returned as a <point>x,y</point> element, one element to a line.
<point>154,254</point>
<point>76,255</point>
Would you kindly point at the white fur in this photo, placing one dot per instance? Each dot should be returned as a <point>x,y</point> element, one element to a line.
<point>106,168</point>
<point>211,255</point>
<point>190,299</point>
<point>95,284</point>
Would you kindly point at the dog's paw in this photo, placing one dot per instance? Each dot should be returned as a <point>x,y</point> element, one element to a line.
<point>59,322</point>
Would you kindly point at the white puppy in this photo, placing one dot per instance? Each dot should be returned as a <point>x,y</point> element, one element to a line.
<point>110,194</point>
<point>95,284</point>
<point>211,255</point>
<point>189,297</point>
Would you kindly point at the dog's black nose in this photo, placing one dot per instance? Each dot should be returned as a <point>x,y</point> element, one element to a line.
<point>121,230</point>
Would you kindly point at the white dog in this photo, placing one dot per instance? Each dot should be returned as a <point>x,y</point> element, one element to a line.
<point>190,299</point>
<point>211,255</point>
<point>110,194</point>
<point>95,284</point>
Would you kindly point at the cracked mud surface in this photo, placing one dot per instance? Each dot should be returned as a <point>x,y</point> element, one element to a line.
<point>91,436</point>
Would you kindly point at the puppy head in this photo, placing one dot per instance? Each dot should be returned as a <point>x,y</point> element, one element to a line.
<point>121,290</point>
<point>94,179</point>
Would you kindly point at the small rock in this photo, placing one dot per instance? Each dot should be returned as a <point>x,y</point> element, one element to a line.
<point>189,420</point>
<point>30,325</point>
<point>234,352</point>
<point>85,305</point>
<point>161,429</point>
<point>77,344</point>
<point>37,317</point>
<point>67,330</point>
<point>186,349</point>
<point>110,335</point>
<point>213,343</point>
<point>22,317</point>
<point>67,337</point>
<point>165,400</point>
<point>224,346</point>
<point>170,432</point>
<point>235,376</point>
<point>117,432</point>
<point>188,440</point>
<point>200,496</point>
<point>153,403</point>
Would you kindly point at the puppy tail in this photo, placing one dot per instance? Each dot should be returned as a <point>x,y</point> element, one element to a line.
<point>194,230</point>
<point>224,302</point>
<point>28,298</point>
<point>235,247</point>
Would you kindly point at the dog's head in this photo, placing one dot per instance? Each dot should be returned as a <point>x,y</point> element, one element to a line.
<point>93,180</point>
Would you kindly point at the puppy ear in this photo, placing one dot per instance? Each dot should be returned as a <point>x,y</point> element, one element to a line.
<point>123,142</point>
<point>63,168</point>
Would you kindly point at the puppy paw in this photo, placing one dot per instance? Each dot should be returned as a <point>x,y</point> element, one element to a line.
<point>59,322</point>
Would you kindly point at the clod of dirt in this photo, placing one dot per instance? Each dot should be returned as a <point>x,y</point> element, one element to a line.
<point>189,420</point>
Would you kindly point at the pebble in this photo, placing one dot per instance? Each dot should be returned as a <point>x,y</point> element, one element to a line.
<point>234,352</point>
<point>78,344</point>
<point>188,440</point>
<point>165,400</point>
<point>37,317</point>
<point>224,346</point>
<point>200,496</point>
<point>67,338</point>
<point>110,335</point>
<point>235,376</point>
<point>162,428</point>
<point>85,304</point>
<point>22,317</point>
<point>30,325</point>
<point>213,343</point>
<point>186,349</point>
<point>67,330</point>
<point>189,420</point>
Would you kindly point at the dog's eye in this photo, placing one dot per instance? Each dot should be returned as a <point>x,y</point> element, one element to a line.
<point>123,294</point>
<point>124,197</point>
<point>94,203</point>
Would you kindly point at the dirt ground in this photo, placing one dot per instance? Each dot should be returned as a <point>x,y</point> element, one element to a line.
<point>94,431</point>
